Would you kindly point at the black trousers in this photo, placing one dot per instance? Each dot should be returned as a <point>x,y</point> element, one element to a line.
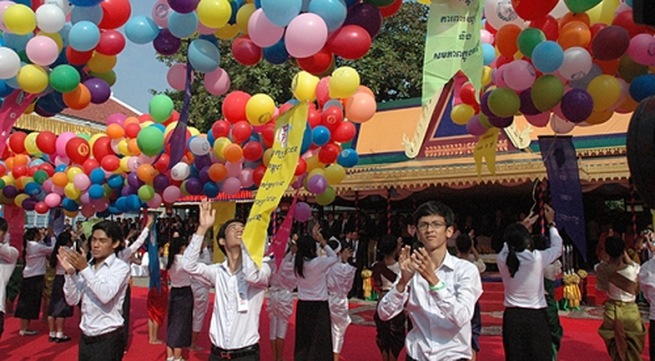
<point>409,358</point>
<point>126,317</point>
<point>526,335</point>
<point>216,355</point>
<point>313,331</point>
<point>2,323</point>
<point>107,347</point>
<point>651,339</point>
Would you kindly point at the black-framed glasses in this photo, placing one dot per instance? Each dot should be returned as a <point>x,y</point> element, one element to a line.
<point>424,226</point>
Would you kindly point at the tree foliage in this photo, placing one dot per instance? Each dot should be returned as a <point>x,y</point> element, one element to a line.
<point>392,68</point>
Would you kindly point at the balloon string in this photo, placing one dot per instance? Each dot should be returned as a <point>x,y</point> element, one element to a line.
<point>177,141</point>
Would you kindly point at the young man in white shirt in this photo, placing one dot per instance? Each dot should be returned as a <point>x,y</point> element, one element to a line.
<point>101,286</point>
<point>240,289</point>
<point>8,258</point>
<point>438,289</point>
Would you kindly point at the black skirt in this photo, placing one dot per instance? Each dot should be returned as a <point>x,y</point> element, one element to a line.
<point>29,299</point>
<point>180,317</point>
<point>58,306</point>
<point>313,331</point>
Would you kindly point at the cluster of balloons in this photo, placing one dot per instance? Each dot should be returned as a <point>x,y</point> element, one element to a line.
<point>128,166</point>
<point>63,50</point>
<point>311,31</point>
<point>563,63</point>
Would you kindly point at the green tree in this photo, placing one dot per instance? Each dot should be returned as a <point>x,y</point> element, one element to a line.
<point>392,68</point>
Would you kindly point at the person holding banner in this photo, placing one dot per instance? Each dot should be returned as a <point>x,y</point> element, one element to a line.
<point>240,289</point>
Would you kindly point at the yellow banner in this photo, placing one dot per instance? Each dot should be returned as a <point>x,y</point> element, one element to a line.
<point>289,130</point>
<point>224,212</point>
<point>486,150</point>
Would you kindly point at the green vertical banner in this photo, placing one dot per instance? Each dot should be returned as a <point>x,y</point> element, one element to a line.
<point>452,44</point>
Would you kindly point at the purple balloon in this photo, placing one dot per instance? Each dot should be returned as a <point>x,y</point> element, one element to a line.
<point>610,43</point>
<point>133,180</point>
<point>484,104</point>
<point>100,90</point>
<point>9,192</point>
<point>474,127</point>
<point>499,122</point>
<point>577,105</point>
<point>29,204</point>
<point>166,43</point>
<point>203,161</point>
<point>303,212</point>
<point>160,183</point>
<point>367,16</point>
<point>183,6</point>
<point>317,184</point>
<point>203,175</point>
<point>527,105</point>
<point>193,186</point>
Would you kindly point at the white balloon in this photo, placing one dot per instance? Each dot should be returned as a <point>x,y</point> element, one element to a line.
<point>199,146</point>
<point>9,63</point>
<point>577,63</point>
<point>180,171</point>
<point>64,5</point>
<point>501,12</point>
<point>559,125</point>
<point>560,10</point>
<point>50,18</point>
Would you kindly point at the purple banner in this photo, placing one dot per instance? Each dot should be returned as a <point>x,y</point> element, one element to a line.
<point>558,154</point>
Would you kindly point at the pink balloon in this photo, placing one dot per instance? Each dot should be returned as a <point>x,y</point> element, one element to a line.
<point>245,177</point>
<point>203,30</point>
<point>176,76</point>
<point>231,186</point>
<point>160,12</point>
<point>42,50</point>
<point>116,118</point>
<point>233,169</point>
<point>155,201</point>
<point>519,75</point>
<point>306,35</point>
<point>540,120</point>
<point>323,90</point>
<point>58,190</point>
<point>81,181</point>
<point>303,212</point>
<point>52,200</point>
<point>100,204</point>
<point>641,49</point>
<point>474,127</point>
<point>559,125</point>
<point>47,186</point>
<point>62,140</point>
<point>217,82</point>
<point>486,36</point>
<point>88,211</point>
<point>262,31</point>
<point>85,198</point>
<point>498,78</point>
<point>171,194</point>
<point>3,6</point>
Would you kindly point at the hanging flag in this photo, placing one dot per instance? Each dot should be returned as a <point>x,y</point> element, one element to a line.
<point>289,130</point>
<point>15,217</point>
<point>558,154</point>
<point>485,151</point>
<point>153,258</point>
<point>56,220</point>
<point>12,108</point>
<point>279,245</point>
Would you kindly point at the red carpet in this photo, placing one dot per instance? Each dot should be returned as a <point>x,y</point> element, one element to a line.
<point>581,342</point>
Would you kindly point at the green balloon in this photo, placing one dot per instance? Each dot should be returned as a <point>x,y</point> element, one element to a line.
<point>150,141</point>
<point>146,192</point>
<point>504,102</point>
<point>109,77</point>
<point>580,6</point>
<point>40,176</point>
<point>484,120</point>
<point>546,92</point>
<point>64,78</point>
<point>326,197</point>
<point>2,184</point>
<point>528,39</point>
<point>160,108</point>
<point>629,69</point>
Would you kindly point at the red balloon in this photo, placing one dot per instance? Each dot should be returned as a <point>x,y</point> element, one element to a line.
<point>530,10</point>
<point>77,150</point>
<point>329,153</point>
<point>258,174</point>
<point>220,128</point>
<point>19,170</point>
<point>344,133</point>
<point>112,42</point>
<point>301,167</point>
<point>132,130</point>
<point>318,63</point>
<point>332,117</point>
<point>268,134</point>
<point>162,163</point>
<point>313,117</point>
<point>502,60</point>
<point>31,171</point>
<point>115,13</point>
<point>548,25</point>
<point>467,94</point>
<point>41,208</point>
<point>110,163</point>
<point>46,142</point>
<point>17,142</point>
<point>390,10</point>
<point>89,165</point>
<point>253,151</point>
<point>78,57</point>
<point>234,106</point>
<point>625,20</point>
<point>350,42</point>
<point>102,148</point>
<point>246,52</point>
<point>241,131</point>
<point>46,167</point>
<point>3,170</point>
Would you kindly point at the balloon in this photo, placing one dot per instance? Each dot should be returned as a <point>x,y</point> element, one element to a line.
<point>203,56</point>
<point>580,6</point>
<point>234,106</point>
<point>32,79</point>
<point>348,158</point>
<point>183,6</point>
<point>78,98</point>
<point>333,12</point>
<point>577,105</point>
<point>64,78</point>
<point>528,39</point>
<point>180,171</point>
<point>150,141</point>
<point>345,132</point>
<point>610,43</point>
<point>305,35</point>
<point>350,42</point>
<point>530,10</point>
<point>605,91</point>
<point>641,49</point>
<point>642,87</point>
<point>214,13</point>
<point>245,51</point>
<point>281,12</point>
<point>262,31</point>
<point>574,33</point>
<point>559,125</point>
<point>115,13</point>
<point>548,25</point>
<point>506,39</point>
<point>217,82</point>
<point>84,36</point>
<point>77,150</point>
<point>326,197</point>
<point>92,14</point>
<point>519,75</point>
<point>547,56</point>
<point>45,141</point>
<point>171,194</point>
<point>344,82</point>
<point>474,127</point>
<point>160,107</point>
<point>9,63</point>
<point>199,146</point>
<point>547,92</point>
<point>303,212</point>
<point>50,18</point>
<point>141,30</point>
<point>99,89</point>
<point>500,12</point>
<point>166,43</point>
<point>504,102</point>
<point>317,184</point>
<point>577,63</point>
<point>304,85</point>
<point>19,19</point>
<point>260,109</point>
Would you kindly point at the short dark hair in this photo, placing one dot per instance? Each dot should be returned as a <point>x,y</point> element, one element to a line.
<point>435,208</point>
<point>387,244</point>
<point>614,246</point>
<point>4,226</point>
<point>113,231</point>
<point>463,243</point>
<point>223,229</point>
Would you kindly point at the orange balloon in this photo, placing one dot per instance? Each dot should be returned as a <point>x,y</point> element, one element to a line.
<point>217,172</point>
<point>78,98</point>
<point>21,159</point>
<point>130,120</point>
<point>60,179</point>
<point>133,147</point>
<point>599,117</point>
<point>574,33</point>
<point>233,153</point>
<point>629,105</point>
<point>360,107</point>
<point>583,17</point>
<point>146,172</point>
<point>609,67</point>
<point>9,162</point>
<point>115,131</point>
<point>506,39</point>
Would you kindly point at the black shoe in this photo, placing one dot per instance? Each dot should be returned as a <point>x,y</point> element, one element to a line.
<point>52,339</point>
<point>62,339</point>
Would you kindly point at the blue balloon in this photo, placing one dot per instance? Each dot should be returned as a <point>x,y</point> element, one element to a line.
<point>182,25</point>
<point>159,126</point>
<point>348,158</point>
<point>306,139</point>
<point>281,12</point>
<point>5,89</point>
<point>64,32</point>
<point>547,56</point>
<point>320,135</point>
<point>97,176</point>
<point>96,191</point>
<point>121,204</point>
<point>141,30</point>
<point>84,36</point>
<point>488,53</point>
<point>16,42</point>
<point>204,56</point>
<point>61,168</point>
<point>115,181</point>
<point>277,53</point>
<point>210,189</point>
<point>32,188</point>
<point>236,5</point>
<point>69,204</point>
<point>211,139</point>
<point>333,12</point>
<point>133,202</point>
<point>91,13</point>
<point>85,3</point>
<point>642,87</point>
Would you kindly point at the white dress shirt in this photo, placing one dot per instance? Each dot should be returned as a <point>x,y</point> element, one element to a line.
<point>8,258</point>
<point>35,262</point>
<point>102,292</point>
<point>526,288</point>
<point>238,300</point>
<point>126,253</point>
<point>647,284</point>
<point>178,276</point>
<point>441,319</point>
<point>313,286</point>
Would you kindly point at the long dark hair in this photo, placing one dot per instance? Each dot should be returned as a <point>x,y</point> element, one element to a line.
<point>306,252</point>
<point>518,239</point>
<point>29,235</point>
<point>63,239</point>
<point>175,247</point>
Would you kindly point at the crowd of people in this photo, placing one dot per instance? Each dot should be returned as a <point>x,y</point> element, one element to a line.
<point>428,279</point>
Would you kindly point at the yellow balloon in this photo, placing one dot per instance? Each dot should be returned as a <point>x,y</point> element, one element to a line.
<point>101,63</point>
<point>30,144</point>
<point>19,19</point>
<point>193,131</point>
<point>259,109</point>
<point>32,78</point>
<point>123,165</point>
<point>316,171</point>
<point>266,158</point>
<point>462,113</point>
<point>18,201</point>
<point>603,12</point>
<point>243,15</point>
<point>605,90</point>
<point>123,148</point>
<point>313,163</point>
<point>71,192</point>
<point>304,85</point>
<point>344,82</point>
<point>214,13</point>
<point>486,75</point>
<point>54,36</point>
<point>335,174</point>
<point>8,179</point>
<point>72,172</point>
<point>599,117</point>
<point>219,146</point>
<point>227,32</point>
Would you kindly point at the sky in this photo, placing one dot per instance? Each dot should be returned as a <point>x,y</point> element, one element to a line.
<point>137,70</point>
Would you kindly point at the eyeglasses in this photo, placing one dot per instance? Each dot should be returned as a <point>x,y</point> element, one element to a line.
<point>424,226</point>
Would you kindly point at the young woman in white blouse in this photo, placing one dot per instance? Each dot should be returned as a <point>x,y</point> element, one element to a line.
<point>526,332</point>
<point>29,300</point>
<point>180,304</point>
<point>313,334</point>
<point>340,281</point>
<point>59,310</point>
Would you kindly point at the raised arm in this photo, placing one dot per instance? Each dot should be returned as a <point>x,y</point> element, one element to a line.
<point>143,236</point>
<point>190,261</point>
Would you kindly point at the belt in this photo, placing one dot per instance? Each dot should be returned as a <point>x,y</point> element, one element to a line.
<point>104,336</point>
<point>224,354</point>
